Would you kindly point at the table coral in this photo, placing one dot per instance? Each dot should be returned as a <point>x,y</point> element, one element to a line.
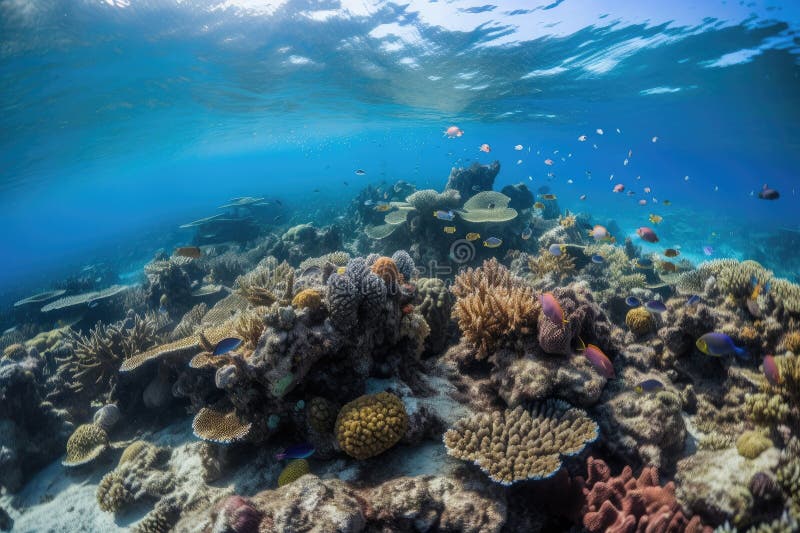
<point>518,444</point>
<point>371,424</point>
<point>216,426</point>
<point>626,504</point>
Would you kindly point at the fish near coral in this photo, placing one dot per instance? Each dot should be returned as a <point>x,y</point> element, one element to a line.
<point>193,252</point>
<point>600,361</point>
<point>719,344</point>
<point>647,234</point>
<point>649,385</point>
<point>552,309</point>
<point>771,370</point>
<point>303,450</point>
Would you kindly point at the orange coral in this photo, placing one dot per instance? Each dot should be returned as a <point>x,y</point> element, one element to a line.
<point>386,269</point>
<point>791,342</point>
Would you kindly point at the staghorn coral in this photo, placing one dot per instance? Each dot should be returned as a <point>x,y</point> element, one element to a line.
<point>293,471</point>
<point>94,359</point>
<point>517,444</point>
<point>371,424</point>
<point>85,445</point>
<point>216,426</point>
<point>626,503</point>
<point>639,321</point>
<point>310,299</point>
<point>268,283</point>
<point>494,309</point>
<point>751,444</point>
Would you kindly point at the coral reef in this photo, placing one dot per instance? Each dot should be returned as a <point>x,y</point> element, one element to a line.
<point>293,471</point>
<point>85,444</point>
<point>639,321</point>
<point>371,424</point>
<point>751,444</point>
<point>518,444</point>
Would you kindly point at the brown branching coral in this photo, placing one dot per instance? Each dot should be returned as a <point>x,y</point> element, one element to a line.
<point>561,266</point>
<point>518,444</point>
<point>493,308</point>
<point>268,283</point>
<point>96,357</point>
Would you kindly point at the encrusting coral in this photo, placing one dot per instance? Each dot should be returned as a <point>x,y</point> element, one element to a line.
<point>750,444</point>
<point>293,471</point>
<point>371,424</point>
<point>85,444</point>
<point>519,444</point>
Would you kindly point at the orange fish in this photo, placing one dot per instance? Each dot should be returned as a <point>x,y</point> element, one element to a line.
<point>453,131</point>
<point>188,251</point>
<point>485,148</point>
<point>548,162</point>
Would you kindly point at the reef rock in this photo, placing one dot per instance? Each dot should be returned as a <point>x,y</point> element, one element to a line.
<point>477,177</point>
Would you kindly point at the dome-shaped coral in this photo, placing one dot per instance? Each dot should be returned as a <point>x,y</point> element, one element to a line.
<point>111,493</point>
<point>85,444</point>
<point>293,471</point>
<point>371,424</point>
<point>321,414</point>
<point>386,269</point>
<point>751,444</point>
<point>310,299</point>
<point>639,321</point>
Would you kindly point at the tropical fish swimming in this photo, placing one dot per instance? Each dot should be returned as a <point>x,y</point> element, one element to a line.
<point>647,234</point>
<point>188,251</point>
<point>453,131</point>
<point>557,249</point>
<point>492,242</point>
<point>296,451</point>
<point>600,361</point>
<point>444,215</point>
<point>449,229</point>
<point>719,344</point>
<point>649,385</point>
<point>552,309</point>
<point>768,194</point>
<point>226,345</point>
<point>771,370</point>
<point>472,236</point>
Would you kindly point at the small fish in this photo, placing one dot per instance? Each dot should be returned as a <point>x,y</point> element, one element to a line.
<point>654,139</point>
<point>625,163</point>
<point>671,252</point>
<point>382,207</point>
<point>582,138</point>
<point>647,234</point>
<point>633,301</point>
<point>345,183</point>
<point>600,361</point>
<point>453,131</point>
<point>472,236</point>
<point>226,345</point>
<point>188,251</point>
<point>630,153</point>
<point>768,194</point>
<point>649,385</point>
<point>666,266</point>
<point>444,215</point>
<point>655,219</point>
<point>599,233</point>
<point>758,288</point>
<point>719,344</point>
<point>519,161</point>
<point>369,203</point>
<point>599,131</point>
<point>296,451</point>
<point>341,270</point>
<point>552,309</point>
<point>666,202</point>
<point>518,147</point>
<point>598,259</point>
<point>449,229</point>
<point>693,300</point>
<point>549,197</point>
<point>538,205</point>
<point>526,233</point>
<point>647,190</point>
<point>582,197</point>
<point>492,242</point>
<point>642,263</point>
<point>92,304</point>
<point>771,371</point>
<point>642,202</point>
<point>655,306</point>
<point>557,249</point>
<point>485,148</point>
<point>708,250</point>
<point>548,162</point>
<point>360,172</point>
<point>619,187</point>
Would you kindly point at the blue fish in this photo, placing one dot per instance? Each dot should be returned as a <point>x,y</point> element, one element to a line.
<point>655,306</point>
<point>643,263</point>
<point>444,215</point>
<point>633,301</point>
<point>693,300</point>
<point>649,385</point>
<point>492,242</point>
<point>598,259</point>
<point>719,344</point>
<point>226,345</point>
<point>303,450</point>
<point>556,249</point>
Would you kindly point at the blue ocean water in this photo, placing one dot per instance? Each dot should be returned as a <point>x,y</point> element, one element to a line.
<point>122,120</point>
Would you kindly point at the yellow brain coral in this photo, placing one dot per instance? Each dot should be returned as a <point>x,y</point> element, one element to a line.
<point>639,321</point>
<point>307,299</point>
<point>517,444</point>
<point>751,444</point>
<point>293,471</point>
<point>371,424</point>
<point>85,444</point>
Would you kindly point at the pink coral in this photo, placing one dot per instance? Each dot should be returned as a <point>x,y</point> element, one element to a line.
<point>235,514</point>
<point>625,504</point>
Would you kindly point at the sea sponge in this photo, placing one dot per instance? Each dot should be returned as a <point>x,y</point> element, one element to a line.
<point>321,414</point>
<point>235,514</point>
<point>342,299</point>
<point>518,444</point>
<point>494,309</point>
<point>387,270</point>
<point>371,424</point>
<point>293,471</point>
<point>112,494</point>
<point>405,264</point>
<point>791,342</point>
<point>216,426</point>
<point>310,299</point>
<point>751,444</point>
<point>85,444</point>
<point>639,321</point>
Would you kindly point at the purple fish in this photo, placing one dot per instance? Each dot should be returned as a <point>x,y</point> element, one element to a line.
<point>771,371</point>
<point>693,300</point>
<point>655,306</point>
<point>226,345</point>
<point>708,250</point>
<point>552,309</point>
<point>303,450</point>
<point>768,194</point>
<point>599,361</point>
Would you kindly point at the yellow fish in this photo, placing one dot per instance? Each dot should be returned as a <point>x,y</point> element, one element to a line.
<point>473,236</point>
<point>549,197</point>
<point>449,229</point>
<point>382,207</point>
<point>655,219</point>
<point>341,270</point>
<point>538,205</point>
